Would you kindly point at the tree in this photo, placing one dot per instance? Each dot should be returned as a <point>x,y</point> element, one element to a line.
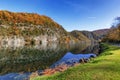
<point>116,22</point>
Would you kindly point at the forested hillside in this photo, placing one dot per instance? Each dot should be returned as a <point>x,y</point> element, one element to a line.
<point>29,22</point>
<point>30,25</point>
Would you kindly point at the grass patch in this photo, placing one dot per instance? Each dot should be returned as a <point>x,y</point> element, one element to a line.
<point>104,67</point>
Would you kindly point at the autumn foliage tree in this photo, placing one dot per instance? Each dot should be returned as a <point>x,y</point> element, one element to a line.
<point>28,24</point>
<point>29,18</point>
<point>114,33</point>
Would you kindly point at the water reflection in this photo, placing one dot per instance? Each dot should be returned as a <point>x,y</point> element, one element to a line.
<point>38,57</point>
<point>93,48</point>
<point>11,42</point>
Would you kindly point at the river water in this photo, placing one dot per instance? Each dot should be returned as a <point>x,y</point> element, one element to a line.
<point>17,63</point>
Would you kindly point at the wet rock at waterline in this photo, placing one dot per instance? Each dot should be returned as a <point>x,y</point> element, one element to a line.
<point>84,60</point>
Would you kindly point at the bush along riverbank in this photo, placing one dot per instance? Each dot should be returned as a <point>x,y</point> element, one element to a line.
<point>104,67</point>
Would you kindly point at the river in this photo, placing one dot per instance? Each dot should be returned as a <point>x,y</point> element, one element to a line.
<point>17,63</point>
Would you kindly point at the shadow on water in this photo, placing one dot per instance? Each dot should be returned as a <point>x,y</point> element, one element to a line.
<point>19,62</point>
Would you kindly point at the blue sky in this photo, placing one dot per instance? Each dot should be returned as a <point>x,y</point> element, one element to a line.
<point>71,14</point>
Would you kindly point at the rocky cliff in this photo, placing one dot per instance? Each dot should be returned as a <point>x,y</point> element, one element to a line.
<point>32,27</point>
<point>90,35</point>
<point>79,35</point>
<point>101,33</point>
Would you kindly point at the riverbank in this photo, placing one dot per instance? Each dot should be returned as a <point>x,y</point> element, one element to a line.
<point>104,67</point>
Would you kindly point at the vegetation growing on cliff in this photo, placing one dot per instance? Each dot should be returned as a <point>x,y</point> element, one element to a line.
<point>19,19</point>
<point>31,25</point>
<point>27,24</point>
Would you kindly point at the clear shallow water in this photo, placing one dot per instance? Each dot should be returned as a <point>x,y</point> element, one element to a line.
<point>18,63</point>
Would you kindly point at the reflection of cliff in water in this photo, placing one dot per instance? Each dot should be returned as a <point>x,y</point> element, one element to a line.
<point>35,57</point>
<point>30,58</point>
<point>93,48</point>
<point>78,47</point>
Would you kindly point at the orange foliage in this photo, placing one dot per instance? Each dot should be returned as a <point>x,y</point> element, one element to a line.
<point>31,18</point>
<point>113,35</point>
